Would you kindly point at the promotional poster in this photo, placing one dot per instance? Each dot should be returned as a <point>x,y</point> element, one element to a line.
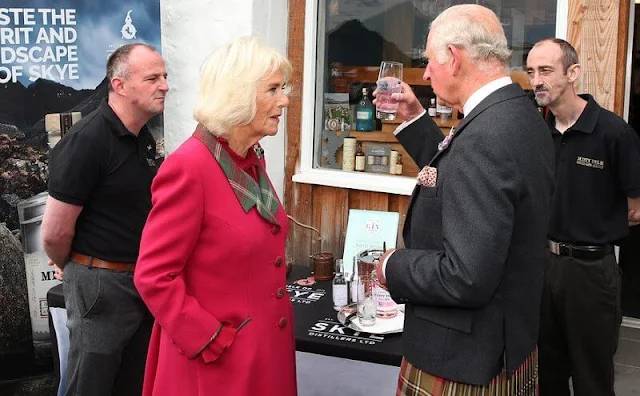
<point>53,56</point>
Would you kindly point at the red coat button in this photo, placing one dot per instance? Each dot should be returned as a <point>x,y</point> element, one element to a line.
<point>275,229</point>
<point>278,261</point>
<point>282,322</point>
<point>280,293</point>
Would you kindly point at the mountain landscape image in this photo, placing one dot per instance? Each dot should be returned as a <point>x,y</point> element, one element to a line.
<point>23,139</point>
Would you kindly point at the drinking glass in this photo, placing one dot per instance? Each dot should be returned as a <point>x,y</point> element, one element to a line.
<point>389,82</point>
<point>366,301</point>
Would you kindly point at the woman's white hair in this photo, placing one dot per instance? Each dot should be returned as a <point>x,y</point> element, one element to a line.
<point>229,80</point>
<point>462,27</point>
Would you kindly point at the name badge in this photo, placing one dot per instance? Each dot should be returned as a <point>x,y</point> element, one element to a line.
<point>590,162</point>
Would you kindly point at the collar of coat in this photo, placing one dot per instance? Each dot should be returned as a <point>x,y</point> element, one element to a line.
<point>249,192</point>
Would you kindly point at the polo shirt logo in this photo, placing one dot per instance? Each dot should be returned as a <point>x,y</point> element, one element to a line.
<point>590,163</point>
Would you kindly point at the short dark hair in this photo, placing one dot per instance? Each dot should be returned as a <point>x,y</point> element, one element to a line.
<point>118,62</point>
<point>569,54</point>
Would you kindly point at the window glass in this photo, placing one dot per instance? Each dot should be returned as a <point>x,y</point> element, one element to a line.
<point>354,36</point>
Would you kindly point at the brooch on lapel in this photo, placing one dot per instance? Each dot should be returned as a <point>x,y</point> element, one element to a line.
<point>447,139</point>
<point>259,151</point>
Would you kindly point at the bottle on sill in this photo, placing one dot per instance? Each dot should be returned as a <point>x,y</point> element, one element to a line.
<point>348,153</point>
<point>445,113</point>
<point>393,160</point>
<point>432,108</point>
<point>399,164</point>
<point>339,288</point>
<point>364,113</point>
<point>359,166</point>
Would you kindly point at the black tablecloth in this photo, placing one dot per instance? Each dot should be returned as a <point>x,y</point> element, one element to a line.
<point>316,324</point>
<point>319,331</point>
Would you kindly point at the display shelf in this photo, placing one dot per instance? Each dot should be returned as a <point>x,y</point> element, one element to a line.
<point>413,76</point>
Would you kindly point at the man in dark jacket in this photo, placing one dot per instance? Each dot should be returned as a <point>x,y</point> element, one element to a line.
<point>475,233</point>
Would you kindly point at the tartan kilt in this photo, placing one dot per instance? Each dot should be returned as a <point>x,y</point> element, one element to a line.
<point>414,382</point>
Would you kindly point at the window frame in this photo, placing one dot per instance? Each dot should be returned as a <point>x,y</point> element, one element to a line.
<point>365,181</point>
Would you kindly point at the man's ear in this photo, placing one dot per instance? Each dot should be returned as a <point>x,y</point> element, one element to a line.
<point>573,72</point>
<point>117,83</point>
<point>456,59</point>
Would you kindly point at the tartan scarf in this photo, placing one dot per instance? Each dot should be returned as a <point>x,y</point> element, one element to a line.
<point>248,192</point>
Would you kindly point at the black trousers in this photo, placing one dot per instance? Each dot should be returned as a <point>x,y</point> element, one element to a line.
<point>579,326</point>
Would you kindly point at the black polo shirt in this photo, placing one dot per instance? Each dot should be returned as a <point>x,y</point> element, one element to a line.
<point>597,168</point>
<point>107,170</point>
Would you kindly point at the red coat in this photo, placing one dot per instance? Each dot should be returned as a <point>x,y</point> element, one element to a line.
<point>204,261</point>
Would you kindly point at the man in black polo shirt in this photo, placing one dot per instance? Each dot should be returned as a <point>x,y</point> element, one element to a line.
<point>100,177</point>
<point>596,197</point>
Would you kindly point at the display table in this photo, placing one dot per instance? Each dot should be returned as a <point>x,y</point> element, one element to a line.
<point>318,330</point>
<point>354,363</point>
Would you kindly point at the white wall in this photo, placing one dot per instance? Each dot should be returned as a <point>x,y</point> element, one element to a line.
<point>191,29</point>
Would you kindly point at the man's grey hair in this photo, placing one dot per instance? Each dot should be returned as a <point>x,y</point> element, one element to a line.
<point>118,62</point>
<point>461,27</point>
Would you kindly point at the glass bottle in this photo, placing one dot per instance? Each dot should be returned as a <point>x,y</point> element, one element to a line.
<point>364,113</point>
<point>339,287</point>
<point>353,284</point>
<point>432,108</point>
<point>399,164</point>
<point>386,308</point>
<point>360,158</point>
<point>445,113</point>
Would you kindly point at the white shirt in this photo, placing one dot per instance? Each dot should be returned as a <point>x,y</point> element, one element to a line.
<point>482,93</point>
<point>471,103</point>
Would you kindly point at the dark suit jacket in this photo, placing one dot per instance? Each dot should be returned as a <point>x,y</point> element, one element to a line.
<point>471,274</point>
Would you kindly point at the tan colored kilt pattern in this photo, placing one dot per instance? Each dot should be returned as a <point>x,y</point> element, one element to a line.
<point>524,382</point>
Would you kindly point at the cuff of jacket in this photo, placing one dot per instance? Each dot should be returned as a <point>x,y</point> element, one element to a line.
<point>219,342</point>
<point>213,337</point>
<point>394,285</point>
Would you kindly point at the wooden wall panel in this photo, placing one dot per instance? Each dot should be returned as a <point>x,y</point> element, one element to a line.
<point>368,200</point>
<point>297,197</point>
<point>301,240</point>
<point>330,213</point>
<point>594,31</point>
<point>621,58</point>
<point>400,204</point>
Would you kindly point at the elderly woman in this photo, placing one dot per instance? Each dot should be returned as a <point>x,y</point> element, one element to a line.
<point>211,266</point>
